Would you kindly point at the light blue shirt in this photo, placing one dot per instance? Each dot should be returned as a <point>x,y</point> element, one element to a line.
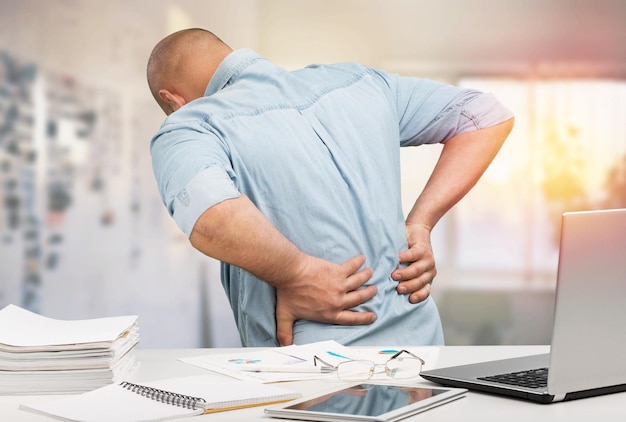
<point>317,151</point>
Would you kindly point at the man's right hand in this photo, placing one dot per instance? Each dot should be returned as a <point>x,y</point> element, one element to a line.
<point>236,232</point>
<point>324,292</point>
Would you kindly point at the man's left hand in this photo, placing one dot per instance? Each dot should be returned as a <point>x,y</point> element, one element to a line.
<point>416,277</point>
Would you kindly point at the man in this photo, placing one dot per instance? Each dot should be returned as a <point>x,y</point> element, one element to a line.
<point>292,180</point>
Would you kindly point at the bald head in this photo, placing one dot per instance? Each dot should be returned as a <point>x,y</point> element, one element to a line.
<point>181,66</point>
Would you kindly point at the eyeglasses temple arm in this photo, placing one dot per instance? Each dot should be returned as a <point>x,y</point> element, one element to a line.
<point>327,366</point>
<point>406,351</point>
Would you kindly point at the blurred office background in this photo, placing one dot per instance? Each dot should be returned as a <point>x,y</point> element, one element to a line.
<point>83,232</point>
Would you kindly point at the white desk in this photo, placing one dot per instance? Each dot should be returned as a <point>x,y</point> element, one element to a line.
<point>157,364</point>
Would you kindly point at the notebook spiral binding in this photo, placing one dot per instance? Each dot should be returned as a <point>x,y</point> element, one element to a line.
<point>163,396</point>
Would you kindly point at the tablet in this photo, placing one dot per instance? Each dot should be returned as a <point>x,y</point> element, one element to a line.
<point>366,402</point>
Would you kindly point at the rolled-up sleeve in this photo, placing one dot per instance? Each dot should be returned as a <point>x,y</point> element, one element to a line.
<point>192,171</point>
<point>454,112</point>
<point>469,110</point>
<point>209,187</point>
<point>432,112</point>
<point>482,111</point>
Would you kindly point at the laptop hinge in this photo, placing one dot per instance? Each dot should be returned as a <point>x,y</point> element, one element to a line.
<point>558,397</point>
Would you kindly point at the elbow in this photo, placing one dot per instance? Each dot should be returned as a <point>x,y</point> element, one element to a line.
<point>507,128</point>
<point>509,124</point>
<point>203,231</point>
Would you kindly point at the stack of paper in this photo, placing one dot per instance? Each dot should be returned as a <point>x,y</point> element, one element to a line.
<point>40,355</point>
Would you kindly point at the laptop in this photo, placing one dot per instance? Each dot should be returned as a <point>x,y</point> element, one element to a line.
<point>589,327</point>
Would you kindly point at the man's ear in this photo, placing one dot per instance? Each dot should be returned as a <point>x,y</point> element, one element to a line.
<point>175,101</point>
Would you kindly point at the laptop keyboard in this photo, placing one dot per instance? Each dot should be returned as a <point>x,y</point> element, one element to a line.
<point>535,378</point>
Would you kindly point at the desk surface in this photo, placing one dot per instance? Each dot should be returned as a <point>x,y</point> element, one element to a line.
<point>158,364</point>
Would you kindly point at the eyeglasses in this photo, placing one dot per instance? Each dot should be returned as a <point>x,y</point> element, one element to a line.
<point>398,366</point>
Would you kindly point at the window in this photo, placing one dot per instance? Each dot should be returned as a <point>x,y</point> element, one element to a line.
<point>566,153</point>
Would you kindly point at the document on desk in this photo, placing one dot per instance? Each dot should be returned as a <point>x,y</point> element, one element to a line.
<point>288,363</point>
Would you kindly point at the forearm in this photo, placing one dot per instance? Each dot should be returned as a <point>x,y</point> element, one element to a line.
<point>236,232</point>
<point>462,162</point>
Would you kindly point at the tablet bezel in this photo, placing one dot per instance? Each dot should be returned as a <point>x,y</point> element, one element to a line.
<point>284,410</point>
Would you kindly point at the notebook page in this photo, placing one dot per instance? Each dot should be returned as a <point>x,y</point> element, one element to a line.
<point>116,403</point>
<point>107,404</point>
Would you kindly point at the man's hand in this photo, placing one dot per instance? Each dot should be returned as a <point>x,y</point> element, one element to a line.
<point>324,292</point>
<point>416,278</point>
<point>236,232</point>
<point>462,162</point>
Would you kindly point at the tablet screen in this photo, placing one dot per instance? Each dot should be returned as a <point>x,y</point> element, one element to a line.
<point>367,399</point>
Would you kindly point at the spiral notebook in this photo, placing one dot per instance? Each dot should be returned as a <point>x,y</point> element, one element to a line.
<point>161,400</point>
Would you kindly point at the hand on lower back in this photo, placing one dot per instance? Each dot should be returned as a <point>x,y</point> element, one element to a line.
<point>324,292</point>
<point>416,277</point>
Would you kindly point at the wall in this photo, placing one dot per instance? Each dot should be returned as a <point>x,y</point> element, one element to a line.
<point>112,249</point>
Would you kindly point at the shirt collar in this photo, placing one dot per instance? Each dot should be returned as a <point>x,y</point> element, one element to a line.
<point>230,68</point>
